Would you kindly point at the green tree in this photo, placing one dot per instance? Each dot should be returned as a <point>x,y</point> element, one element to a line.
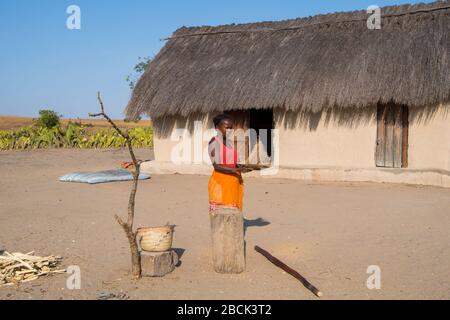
<point>138,70</point>
<point>48,118</point>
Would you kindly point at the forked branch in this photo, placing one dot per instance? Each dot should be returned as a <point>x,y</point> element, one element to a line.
<point>128,225</point>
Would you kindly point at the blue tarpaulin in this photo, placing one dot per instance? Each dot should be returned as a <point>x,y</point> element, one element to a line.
<point>101,176</point>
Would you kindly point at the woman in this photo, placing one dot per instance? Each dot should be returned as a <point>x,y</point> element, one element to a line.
<point>225,186</point>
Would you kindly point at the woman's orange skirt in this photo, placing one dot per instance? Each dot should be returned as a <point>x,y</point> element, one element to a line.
<point>225,190</point>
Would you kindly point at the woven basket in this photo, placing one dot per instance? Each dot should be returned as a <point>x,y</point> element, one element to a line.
<point>155,239</point>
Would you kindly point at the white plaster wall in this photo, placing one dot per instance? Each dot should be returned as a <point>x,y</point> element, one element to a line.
<point>327,139</point>
<point>429,138</point>
<point>165,142</point>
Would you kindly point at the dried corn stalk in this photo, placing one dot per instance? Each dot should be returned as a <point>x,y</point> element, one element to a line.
<point>17,267</point>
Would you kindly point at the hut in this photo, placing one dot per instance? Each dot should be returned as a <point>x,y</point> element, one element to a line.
<point>346,102</point>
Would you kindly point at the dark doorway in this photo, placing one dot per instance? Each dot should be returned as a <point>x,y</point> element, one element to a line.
<point>392,136</point>
<point>263,119</point>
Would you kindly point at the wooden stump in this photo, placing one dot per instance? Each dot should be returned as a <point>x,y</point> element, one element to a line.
<point>158,264</point>
<point>227,227</point>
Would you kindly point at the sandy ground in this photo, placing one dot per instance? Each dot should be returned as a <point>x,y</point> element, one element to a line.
<point>330,232</point>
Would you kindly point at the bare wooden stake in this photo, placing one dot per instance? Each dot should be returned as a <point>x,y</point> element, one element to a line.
<point>227,233</point>
<point>127,225</point>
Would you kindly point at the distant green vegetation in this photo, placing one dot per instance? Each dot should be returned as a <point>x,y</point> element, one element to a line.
<point>72,136</point>
<point>48,119</point>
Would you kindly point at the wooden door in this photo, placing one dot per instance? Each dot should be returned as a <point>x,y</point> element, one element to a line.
<point>392,136</point>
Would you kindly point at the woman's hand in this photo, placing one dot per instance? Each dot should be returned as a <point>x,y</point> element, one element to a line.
<point>243,169</point>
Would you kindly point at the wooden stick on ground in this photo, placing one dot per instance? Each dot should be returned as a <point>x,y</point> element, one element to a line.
<point>289,270</point>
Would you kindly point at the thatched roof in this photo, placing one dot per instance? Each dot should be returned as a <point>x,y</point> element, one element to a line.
<point>310,64</point>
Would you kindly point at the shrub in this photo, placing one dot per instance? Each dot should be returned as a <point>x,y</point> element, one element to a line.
<point>48,119</point>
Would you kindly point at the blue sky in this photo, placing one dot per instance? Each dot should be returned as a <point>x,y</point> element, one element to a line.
<point>45,65</point>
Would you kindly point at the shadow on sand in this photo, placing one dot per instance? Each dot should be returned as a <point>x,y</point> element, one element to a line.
<point>179,252</point>
<point>258,222</point>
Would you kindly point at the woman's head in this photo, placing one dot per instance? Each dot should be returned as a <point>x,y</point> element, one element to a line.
<point>223,122</point>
